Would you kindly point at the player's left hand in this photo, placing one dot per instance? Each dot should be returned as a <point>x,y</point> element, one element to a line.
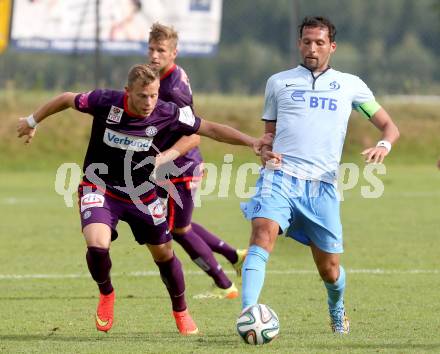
<point>375,154</point>
<point>266,139</point>
<point>23,129</point>
<point>159,160</point>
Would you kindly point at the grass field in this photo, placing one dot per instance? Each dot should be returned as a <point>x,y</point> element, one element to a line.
<point>392,259</point>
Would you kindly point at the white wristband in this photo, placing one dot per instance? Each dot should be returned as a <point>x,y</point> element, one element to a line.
<point>385,144</point>
<point>31,121</point>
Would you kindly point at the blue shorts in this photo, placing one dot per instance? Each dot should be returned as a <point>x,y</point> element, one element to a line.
<point>307,210</point>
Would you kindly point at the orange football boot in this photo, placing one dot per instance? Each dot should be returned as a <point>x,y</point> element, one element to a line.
<point>104,312</point>
<point>185,324</point>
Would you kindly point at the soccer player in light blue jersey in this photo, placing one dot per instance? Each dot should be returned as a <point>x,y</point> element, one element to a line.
<point>307,109</point>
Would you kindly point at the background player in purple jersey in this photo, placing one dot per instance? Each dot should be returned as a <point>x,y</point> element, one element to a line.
<point>129,128</point>
<point>195,240</point>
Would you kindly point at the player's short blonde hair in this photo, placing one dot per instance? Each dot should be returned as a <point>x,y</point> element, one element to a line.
<point>143,72</point>
<point>159,32</point>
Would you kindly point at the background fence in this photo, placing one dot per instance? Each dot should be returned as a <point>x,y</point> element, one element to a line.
<point>392,44</point>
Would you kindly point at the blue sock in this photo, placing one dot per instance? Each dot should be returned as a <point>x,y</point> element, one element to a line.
<point>335,291</point>
<point>253,271</point>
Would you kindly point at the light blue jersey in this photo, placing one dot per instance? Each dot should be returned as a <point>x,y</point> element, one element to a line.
<point>311,114</point>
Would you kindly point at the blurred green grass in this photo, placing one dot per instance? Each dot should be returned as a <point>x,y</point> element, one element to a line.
<point>391,258</point>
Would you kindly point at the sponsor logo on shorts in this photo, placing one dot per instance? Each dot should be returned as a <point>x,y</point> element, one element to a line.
<point>157,212</point>
<point>87,214</point>
<point>115,115</point>
<point>126,142</point>
<point>92,200</point>
<point>257,208</point>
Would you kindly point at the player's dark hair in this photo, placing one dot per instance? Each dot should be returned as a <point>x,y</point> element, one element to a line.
<point>143,72</point>
<point>159,32</point>
<point>318,21</point>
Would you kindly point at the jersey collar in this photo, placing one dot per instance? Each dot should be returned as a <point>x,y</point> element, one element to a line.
<point>313,74</point>
<point>168,73</point>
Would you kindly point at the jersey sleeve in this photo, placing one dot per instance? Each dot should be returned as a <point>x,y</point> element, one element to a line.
<point>88,102</point>
<point>364,101</point>
<point>270,104</point>
<point>185,122</point>
<point>181,96</point>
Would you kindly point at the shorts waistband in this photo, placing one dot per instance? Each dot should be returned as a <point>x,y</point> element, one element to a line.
<point>146,198</point>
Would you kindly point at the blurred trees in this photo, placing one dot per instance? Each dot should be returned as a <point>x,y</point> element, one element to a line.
<point>392,44</point>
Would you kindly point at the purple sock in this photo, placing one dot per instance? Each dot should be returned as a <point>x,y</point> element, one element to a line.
<point>202,255</point>
<point>217,245</point>
<point>172,275</point>
<point>99,263</point>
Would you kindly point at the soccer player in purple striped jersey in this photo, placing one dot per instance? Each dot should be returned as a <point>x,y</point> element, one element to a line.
<point>198,242</point>
<point>129,128</point>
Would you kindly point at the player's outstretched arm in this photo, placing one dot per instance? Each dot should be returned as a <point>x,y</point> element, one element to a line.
<point>390,133</point>
<point>226,134</point>
<point>180,148</point>
<point>26,126</point>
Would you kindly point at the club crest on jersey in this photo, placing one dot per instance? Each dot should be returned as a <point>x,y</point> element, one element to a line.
<point>334,85</point>
<point>151,131</point>
<point>115,115</point>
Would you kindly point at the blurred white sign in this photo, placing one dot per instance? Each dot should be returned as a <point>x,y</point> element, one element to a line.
<point>69,25</point>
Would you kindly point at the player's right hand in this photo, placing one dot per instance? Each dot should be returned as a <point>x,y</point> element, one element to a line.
<point>266,139</point>
<point>23,129</point>
<point>271,160</point>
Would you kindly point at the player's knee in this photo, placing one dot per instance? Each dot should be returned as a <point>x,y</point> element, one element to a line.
<point>161,253</point>
<point>181,230</point>
<point>97,235</point>
<point>263,236</point>
<point>329,272</point>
